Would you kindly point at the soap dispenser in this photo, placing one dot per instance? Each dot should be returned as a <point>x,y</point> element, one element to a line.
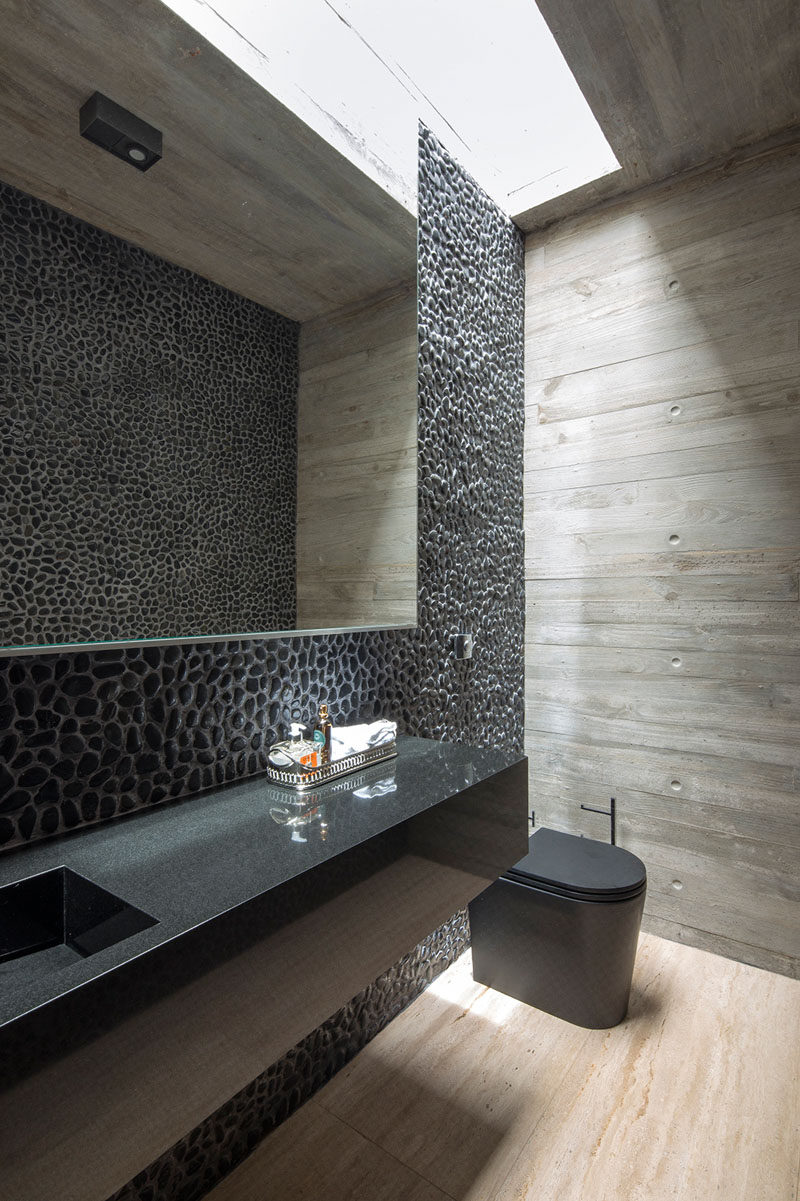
<point>303,750</point>
<point>298,752</point>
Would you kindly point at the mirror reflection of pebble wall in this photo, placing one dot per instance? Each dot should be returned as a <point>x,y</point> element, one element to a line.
<point>148,420</point>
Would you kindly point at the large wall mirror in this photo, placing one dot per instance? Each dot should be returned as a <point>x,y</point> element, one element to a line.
<point>208,430</point>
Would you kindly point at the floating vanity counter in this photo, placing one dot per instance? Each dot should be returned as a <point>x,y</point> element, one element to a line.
<point>255,915</point>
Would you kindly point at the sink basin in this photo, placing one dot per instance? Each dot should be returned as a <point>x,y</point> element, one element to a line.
<point>50,920</point>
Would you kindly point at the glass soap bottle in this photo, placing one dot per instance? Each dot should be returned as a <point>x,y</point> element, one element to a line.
<point>322,734</point>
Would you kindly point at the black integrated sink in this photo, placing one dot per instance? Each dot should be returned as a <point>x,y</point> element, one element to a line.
<point>50,920</point>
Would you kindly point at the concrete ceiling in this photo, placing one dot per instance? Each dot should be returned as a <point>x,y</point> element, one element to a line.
<point>246,194</point>
<point>252,197</point>
<point>675,83</point>
<point>363,74</point>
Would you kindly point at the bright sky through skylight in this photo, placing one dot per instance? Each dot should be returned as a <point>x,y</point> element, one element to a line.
<point>488,78</point>
<point>494,73</point>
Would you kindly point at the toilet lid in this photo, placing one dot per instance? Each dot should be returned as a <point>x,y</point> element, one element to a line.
<point>567,863</point>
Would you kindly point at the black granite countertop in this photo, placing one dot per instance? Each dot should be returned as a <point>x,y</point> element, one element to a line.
<point>188,863</point>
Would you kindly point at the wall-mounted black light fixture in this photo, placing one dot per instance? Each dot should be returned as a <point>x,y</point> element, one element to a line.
<point>109,125</point>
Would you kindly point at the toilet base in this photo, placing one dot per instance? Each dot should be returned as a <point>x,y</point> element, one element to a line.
<point>572,958</point>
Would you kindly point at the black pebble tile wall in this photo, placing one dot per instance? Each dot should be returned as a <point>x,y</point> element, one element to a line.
<point>127,378</point>
<point>471,410</point>
<point>158,723</point>
<point>93,735</point>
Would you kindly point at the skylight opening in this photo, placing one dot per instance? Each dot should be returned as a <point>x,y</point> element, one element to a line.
<point>489,80</point>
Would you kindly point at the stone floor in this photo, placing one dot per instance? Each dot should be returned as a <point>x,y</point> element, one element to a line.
<point>471,1096</point>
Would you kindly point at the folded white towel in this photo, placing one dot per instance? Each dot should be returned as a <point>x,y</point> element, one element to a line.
<point>349,740</point>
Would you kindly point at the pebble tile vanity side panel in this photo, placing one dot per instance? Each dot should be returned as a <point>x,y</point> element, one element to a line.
<point>148,420</point>
<point>199,1161</point>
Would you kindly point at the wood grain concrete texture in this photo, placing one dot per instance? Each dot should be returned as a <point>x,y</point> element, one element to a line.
<point>675,86</point>
<point>246,194</point>
<point>481,1098</point>
<point>663,545</point>
<point>357,465</point>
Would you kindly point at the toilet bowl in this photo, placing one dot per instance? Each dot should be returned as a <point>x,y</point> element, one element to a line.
<point>559,929</point>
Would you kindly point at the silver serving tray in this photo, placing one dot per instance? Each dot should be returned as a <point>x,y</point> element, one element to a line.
<point>300,780</point>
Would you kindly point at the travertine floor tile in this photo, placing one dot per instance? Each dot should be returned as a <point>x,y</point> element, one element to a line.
<point>694,1097</point>
<point>314,1156</point>
<point>455,1086</point>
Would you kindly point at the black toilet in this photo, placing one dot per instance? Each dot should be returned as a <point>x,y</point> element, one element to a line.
<point>559,930</point>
